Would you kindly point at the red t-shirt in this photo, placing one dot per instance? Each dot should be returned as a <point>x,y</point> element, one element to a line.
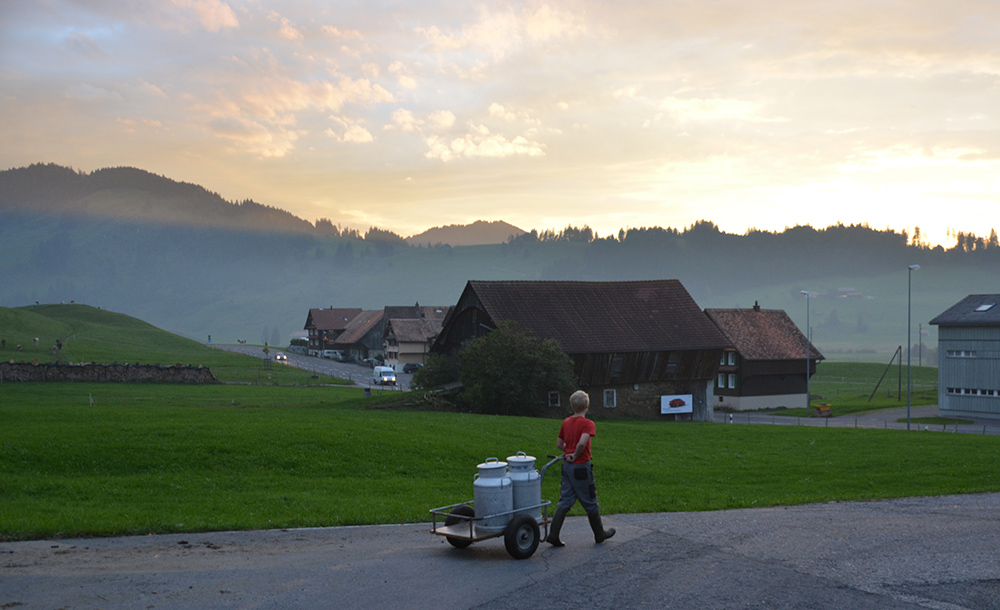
<point>571,431</point>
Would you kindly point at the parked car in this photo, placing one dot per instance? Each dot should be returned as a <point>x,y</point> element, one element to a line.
<point>411,367</point>
<point>383,375</point>
<point>370,362</point>
<point>280,356</point>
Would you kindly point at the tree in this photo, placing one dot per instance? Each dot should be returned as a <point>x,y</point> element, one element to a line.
<point>511,372</point>
<point>437,371</point>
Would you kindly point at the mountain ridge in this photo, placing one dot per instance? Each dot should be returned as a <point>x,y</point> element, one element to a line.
<point>59,242</point>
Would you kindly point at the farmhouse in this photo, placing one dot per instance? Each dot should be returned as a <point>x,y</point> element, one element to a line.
<point>362,337</point>
<point>325,325</point>
<point>766,366</point>
<point>409,339</point>
<point>639,348</point>
<point>969,357</point>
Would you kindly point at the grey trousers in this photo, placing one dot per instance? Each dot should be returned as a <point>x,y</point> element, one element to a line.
<point>578,484</point>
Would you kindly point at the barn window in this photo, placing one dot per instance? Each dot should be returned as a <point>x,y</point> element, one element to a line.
<point>617,363</point>
<point>554,399</point>
<point>610,399</point>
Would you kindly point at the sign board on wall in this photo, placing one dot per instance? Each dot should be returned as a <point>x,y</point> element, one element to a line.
<point>676,403</point>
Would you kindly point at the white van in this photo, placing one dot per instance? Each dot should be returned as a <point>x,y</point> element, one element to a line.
<point>383,375</point>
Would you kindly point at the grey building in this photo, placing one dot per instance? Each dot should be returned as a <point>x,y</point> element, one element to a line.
<point>969,357</point>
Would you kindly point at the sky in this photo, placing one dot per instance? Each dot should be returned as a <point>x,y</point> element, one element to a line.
<point>410,115</point>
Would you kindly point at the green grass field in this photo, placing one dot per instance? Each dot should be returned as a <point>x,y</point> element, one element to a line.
<point>853,387</point>
<point>94,335</point>
<point>147,459</point>
<point>81,459</point>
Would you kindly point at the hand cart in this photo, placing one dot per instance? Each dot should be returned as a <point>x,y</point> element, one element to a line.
<point>521,534</point>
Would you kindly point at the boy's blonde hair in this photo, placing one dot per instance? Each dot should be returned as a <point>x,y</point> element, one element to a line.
<point>579,401</point>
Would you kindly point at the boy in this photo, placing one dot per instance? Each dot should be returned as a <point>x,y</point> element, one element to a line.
<point>577,473</point>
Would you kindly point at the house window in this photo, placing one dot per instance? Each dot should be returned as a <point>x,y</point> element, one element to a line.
<point>610,399</point>
<point>972,392</point>
<point>732,380</point>
<point>722,362</point>
<point>961,353</point>
<point>721,381</point>
<point>732,358</point>
<point>554,399</point>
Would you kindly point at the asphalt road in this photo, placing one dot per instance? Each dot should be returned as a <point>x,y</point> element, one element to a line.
<point>359,374</point>
<point>938,553</point>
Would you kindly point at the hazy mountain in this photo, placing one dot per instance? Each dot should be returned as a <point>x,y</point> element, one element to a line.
<point>183,259</point>
<point>478,233</point>
<point>125,193</point>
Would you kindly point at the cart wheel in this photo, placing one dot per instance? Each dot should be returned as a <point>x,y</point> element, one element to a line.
<point>521,536</point>
<point>461,511</point>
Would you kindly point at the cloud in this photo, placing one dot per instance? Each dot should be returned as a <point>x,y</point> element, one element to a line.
<point>340,34</point>
<point>288,31</point>
<point>258,139</point>
<point>480,142</point>
<point>278,95</point>
<point>84,46</point>
<point>402,73</point>
<point>713,109</point>
<point>404,120</point>
<point>352,132</point>
<point>441,119</point>
<point>502,32</point>
<point>213,14</point>
<point>89,93</point>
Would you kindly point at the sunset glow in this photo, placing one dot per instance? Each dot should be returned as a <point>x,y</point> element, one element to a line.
<point>406,116</point>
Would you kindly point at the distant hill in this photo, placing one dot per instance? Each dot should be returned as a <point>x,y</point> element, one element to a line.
<point>126,193</point>
<point>478,233</point>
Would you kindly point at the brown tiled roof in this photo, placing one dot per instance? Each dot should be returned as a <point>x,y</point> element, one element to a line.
<point>359,326</point>
<point>973,310</point>
<point>332,319</point>
<point>415,331</point>
<point>410,312</point>
<point>603,317</point>
<point>764,334</point>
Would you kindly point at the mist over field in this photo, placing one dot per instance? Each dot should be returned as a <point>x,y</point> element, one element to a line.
<point>185,260</point>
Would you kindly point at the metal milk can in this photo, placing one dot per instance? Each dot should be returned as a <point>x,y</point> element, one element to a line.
<point>493,493</point>
<point>527,484</point>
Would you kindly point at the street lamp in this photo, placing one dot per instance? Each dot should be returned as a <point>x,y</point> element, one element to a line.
<point>909,291</point>
<point>808,296</point>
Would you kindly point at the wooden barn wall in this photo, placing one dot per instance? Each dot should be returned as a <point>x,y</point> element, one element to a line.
<point>642,367</point>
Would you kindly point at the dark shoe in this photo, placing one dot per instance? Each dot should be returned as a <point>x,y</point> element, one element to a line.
<point>600,534</point>
<point>556,525</point>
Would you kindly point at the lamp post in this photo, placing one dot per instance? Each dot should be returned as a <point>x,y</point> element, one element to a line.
<point>808,296</point>
<point>909,292</point>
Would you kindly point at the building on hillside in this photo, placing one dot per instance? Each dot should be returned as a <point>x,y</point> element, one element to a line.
<point>969,357</point>
<point>362,337</point>
<point>640,348</point>
<point>325,326</point>
<point>766,367</point>
<point>408,340</point>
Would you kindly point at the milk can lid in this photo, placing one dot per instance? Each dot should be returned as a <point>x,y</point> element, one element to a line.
<point>521,458</point>
<point>492,465</point>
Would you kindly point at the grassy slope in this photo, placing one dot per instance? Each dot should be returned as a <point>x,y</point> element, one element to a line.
<point>95,335</point>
